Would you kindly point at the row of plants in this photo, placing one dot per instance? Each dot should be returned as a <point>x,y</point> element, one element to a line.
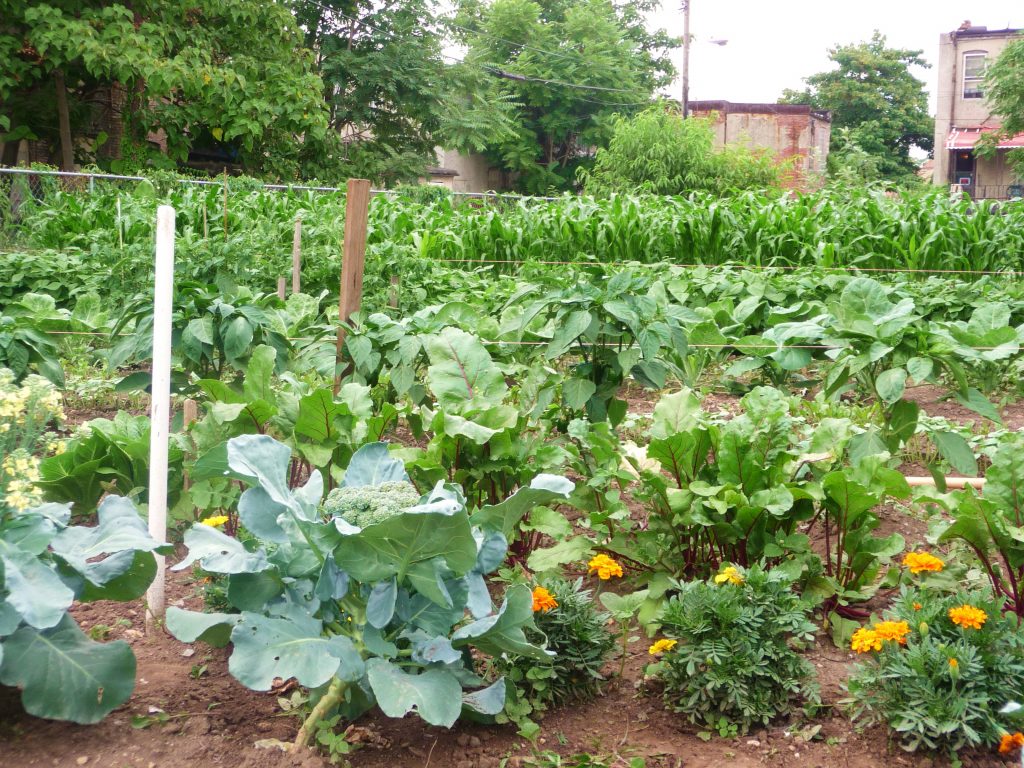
<point>71,242</point>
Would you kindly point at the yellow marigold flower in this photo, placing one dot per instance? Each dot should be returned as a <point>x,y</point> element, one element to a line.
<point>215,521</point>
<point>1011,742</point>
<point>893,630</point>
<point>865,640</point>
<point>967,616</point>
<point>919,562</point>
<point>605,567</point>
<point>543,600</point>
<point>730,575</point>
<point>661,646</point>
<point>954,664</point>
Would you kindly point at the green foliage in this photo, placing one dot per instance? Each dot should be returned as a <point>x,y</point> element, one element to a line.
<point>360,616</point>
<point>578,634</point>
<point>736,655</point>
<point>917,690</point>
<point>523,45</point>
<point>657,152</point>
<point>991,525</point>
<point>232,74</point>
<point>365,505</point>
<point>46,566</point>
<point>24,344</point>
<point>872,93</point>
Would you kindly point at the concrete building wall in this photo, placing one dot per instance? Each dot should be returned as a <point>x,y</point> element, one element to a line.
<point>953,110</point>
<point>787,130</point>
<point>474,173</point>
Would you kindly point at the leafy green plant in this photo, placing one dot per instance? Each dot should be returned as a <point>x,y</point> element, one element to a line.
<point>24,345</point>
<point>577,633</point>
<point>942,687</point>
<point>362,617</point>
<point>47,565</point>
<point>736,654</point>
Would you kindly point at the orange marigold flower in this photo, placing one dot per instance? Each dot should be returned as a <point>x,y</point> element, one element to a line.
<point>919,562</point>
<point>865,640</point>
<point>604,567</point>
<point>1010,742</point>
<point>954,664</point>
<point>543,600</point>
<point>893,630</point>
<point>917,606</point>
<point>967,616</point>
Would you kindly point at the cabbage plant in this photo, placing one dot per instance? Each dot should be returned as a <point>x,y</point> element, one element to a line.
<point>45,565</point>
<point>388,615</point>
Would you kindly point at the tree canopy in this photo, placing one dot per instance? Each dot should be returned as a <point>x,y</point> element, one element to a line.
<point>1004,90</point>
<point>872,93</point>
<point>567,67</point>
<point>235,71</point>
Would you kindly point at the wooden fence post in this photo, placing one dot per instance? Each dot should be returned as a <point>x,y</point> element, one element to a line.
<point>225,204</point>
<point>297,256</point>
<point>353,259</point>
<point>282,284</point>
<point>393,294</point>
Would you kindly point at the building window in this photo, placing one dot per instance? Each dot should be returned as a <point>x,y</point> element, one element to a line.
<point>974,74</point>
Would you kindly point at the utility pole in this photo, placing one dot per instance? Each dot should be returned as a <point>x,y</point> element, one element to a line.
<point>686,58</point>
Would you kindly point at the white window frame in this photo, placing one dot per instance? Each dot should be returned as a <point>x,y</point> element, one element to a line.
<point>976,81</point>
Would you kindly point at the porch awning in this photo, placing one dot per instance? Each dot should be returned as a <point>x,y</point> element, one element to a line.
<point>966,138</point>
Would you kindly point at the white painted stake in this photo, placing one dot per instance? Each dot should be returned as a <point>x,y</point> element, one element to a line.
<point>160,408</point>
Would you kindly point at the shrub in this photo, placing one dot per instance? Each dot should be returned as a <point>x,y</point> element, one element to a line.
<point>735,657</point>
<point>578,634</point>
<point>942,687</point>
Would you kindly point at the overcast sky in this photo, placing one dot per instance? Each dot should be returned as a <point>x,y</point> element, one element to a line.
<point>774,45</point>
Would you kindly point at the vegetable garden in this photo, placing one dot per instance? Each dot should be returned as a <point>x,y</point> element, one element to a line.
<point>590,482</point>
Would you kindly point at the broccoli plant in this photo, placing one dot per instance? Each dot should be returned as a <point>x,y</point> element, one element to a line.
<point>364,505</point>
<point>390,614</point>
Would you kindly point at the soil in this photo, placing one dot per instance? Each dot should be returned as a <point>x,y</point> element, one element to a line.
<point>213,721</point>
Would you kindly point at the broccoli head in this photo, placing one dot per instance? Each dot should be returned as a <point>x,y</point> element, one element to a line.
<point>365,505</point>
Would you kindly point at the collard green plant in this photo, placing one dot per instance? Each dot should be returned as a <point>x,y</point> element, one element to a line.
<point>736,654</point>
<point>361,616</point>
<point>47,564</point>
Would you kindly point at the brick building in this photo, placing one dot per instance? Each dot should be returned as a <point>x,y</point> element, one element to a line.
<point>787,130</point>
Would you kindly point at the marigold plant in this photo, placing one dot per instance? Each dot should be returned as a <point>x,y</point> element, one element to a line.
<point>731,575</point>
<point>935,685</point>
<point>1011,742</point>
<point>543,600</point>
<point>660,646</point>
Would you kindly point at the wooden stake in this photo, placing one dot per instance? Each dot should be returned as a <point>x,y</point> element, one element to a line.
<point>189,416</point>
<point>281,285</point>
<point>206,226</point>
<point>353,259</point>
<point>297,256</point>
<point>225,204</point>
<point>160,402</point>
<point>393,295</point>
<point>951,482</point>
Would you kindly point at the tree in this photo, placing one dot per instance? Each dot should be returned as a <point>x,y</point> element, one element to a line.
<point>235,71</point>
<point>658,152</point>
<point>1004,90</point>
<point>872,93</point>
<point>391,94</point>
<point>568,66</point>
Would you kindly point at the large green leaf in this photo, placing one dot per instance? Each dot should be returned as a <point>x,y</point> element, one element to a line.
<point>569,328</point>
<point>217,552</point>
<point>435,694</point>
<point>259,374</point>
<point>33,588</point>
<point>461,371</point>
<point>373,465</point>
<point>66,676</point>
<point>674,413</point>
<point>269,647</point>
<point>504,517</point>
<point>211,628</point>
<point>957,452</point>
<point>503,632</point>
<point>393,547</point>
